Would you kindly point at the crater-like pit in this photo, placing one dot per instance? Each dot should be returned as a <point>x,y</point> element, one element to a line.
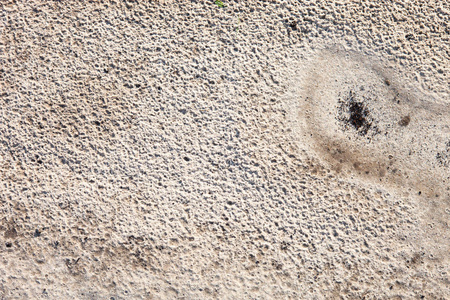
<point>363,124</point>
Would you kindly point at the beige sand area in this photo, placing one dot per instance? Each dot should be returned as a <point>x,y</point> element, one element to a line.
<point>261,150</point>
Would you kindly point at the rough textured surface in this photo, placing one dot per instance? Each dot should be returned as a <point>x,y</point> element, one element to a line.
<point>170,150</point>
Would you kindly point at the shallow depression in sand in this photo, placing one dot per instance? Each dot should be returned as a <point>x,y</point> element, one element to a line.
<point>357,117</point>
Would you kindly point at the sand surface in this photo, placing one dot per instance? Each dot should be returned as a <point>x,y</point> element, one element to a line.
<point>261,150</point>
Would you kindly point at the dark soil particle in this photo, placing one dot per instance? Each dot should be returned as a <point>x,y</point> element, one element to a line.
<point>443,157</point>
<point>404,121</point>
<point>354,113</point>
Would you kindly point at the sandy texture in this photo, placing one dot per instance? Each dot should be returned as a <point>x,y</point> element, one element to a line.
<point>262,150</point>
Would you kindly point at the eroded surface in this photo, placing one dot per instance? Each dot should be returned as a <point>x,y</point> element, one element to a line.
<point>147,151</point>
